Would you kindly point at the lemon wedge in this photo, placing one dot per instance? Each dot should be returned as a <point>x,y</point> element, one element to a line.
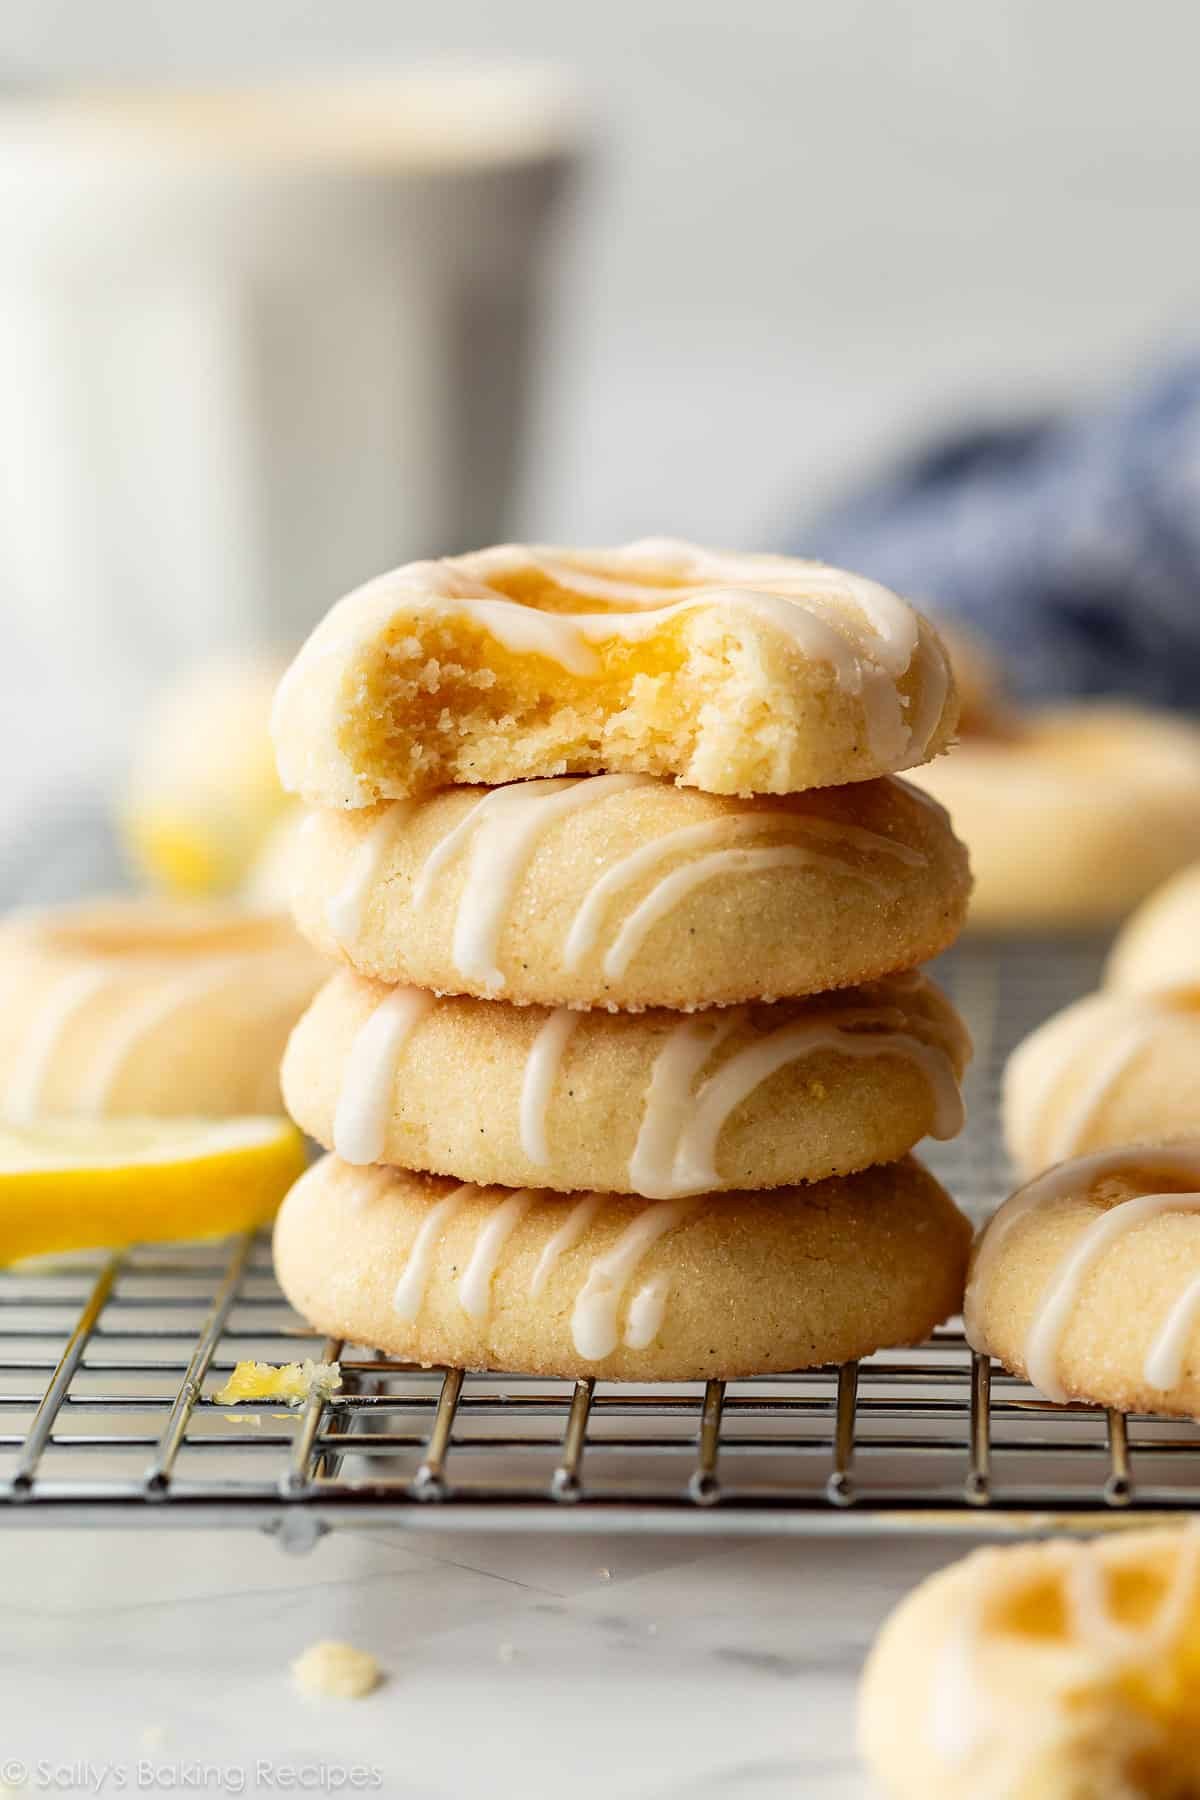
<point>74,1184</point>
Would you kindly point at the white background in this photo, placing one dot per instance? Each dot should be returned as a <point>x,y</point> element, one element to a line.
<point>815,228</point>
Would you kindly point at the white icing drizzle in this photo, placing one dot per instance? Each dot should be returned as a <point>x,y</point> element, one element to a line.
<point>669,1096</point>
<point>638,594</point>
<point>585,926</point>
<point>1063,1044</point>
<point>503,828</point>
<point>65,1001</point>
<point>695,1157</point>
<point>956,1720</point>
<point>1057,1304</point>
<point>594,1321</point>
<point>839,831</point>
<point>410,1289</point>
<point>577,1221</point>
<point>459,834</point>
<point>1118,1056</point>
<point>1076,1177</point>
<point>647,1310</point>
<point>475,1282</point>
<point>360,1122</point>
<point>934,688</point>
<point>344,911</point>
<point>542,1068</point>
<point>677,1142</point>
<point>665,897</point>
<point>1164,1363</point>
<point>134,1024</point>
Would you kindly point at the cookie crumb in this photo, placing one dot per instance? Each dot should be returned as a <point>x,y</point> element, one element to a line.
<point>333,1671</point>
<point>293,1382</point>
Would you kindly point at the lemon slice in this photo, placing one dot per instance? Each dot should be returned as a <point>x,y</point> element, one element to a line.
<point>73,1184</point>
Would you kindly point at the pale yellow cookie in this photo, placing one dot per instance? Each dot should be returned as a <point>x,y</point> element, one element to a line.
<point>1160,945</point>
<point>1111,1069</point>
<point>1074,818</point>
<point>674,1290</point>
<point>148,1006</point>
<point>1087,1281</point>
<point>1052,1671</point>
<point>738,674</point>
<point>653,1103</point>
<point>623,891</point>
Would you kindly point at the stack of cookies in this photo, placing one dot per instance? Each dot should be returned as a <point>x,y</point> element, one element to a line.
<point>628,1047</point>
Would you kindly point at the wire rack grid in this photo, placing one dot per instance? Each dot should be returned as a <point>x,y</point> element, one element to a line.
<point>108,1366</point>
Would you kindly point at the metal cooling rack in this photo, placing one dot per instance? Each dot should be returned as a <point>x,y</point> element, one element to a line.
<point>107,1365</point>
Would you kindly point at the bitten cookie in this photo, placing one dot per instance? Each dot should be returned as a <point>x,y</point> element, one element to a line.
<point>1111,1069</point>
<point>677,1290</point>
<point>1087,1281</point>
<point>148,1006</point>
<point>1055,1669</point>
<point>737,674</point>
<point>1076,816</point>
<point>653,1103</point>
<point>623,891</point>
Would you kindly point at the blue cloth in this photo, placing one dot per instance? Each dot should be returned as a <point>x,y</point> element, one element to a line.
<point>1072,544</point>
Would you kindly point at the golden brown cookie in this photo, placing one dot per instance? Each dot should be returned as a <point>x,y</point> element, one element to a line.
<point>148,1006</point>
<point>1061,1669</point>
<point>737,674</point>
<point>1087,1281</point>
<point>622,891</point>
<point>672,1290</point>
<point>650,1103</point>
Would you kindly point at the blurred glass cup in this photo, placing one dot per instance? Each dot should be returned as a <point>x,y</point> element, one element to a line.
<point>257,346</point>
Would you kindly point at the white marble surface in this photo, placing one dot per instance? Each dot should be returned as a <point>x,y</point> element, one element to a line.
<point>596,1668</point>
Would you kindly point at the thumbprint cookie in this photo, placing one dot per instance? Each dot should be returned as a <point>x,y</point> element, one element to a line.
<point>1087,1281</point>
<point>622,891</point>
<point>653,1103</point>
<point>739,674</point>
<point>702,1285</point>
<point>1053,1669</point>
<point>156,1007</point>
